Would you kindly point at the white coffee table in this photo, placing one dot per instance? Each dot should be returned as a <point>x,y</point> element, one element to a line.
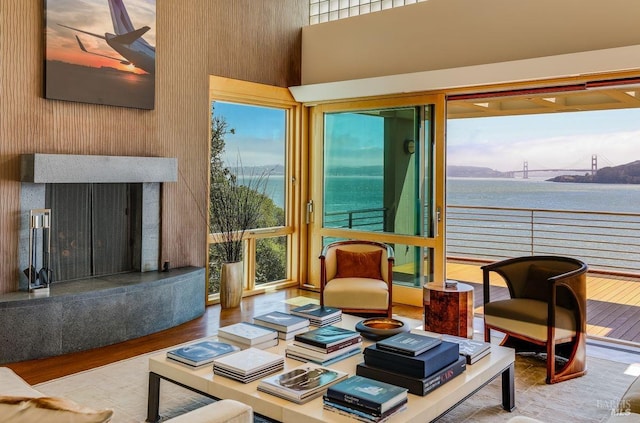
<point>500,362</point>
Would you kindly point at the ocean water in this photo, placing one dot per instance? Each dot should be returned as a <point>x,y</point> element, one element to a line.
<point>541,194</point>
<point>345,193</point>
<point>606,242</point>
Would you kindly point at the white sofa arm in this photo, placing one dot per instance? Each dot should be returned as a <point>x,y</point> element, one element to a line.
<point>223,411</point>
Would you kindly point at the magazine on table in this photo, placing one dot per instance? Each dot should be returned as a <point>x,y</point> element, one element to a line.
<point>201,353</point>
<point>306,352</point>
<point>243,346</point>
<point>368,393</point>
<point>302,383</point>
<point>247,333</point>
<point>409,343</point>
<point>280,321</point>
<point>316,312</point>
<point>291,334</point>
<point>327,336</point>
<point>323,362</point>
<point>359,413</point>
<point>472,349</point>
<point>248,361</point>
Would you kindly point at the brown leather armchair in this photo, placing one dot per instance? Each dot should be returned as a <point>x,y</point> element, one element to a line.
<point>547,311</point>
<point>356,276</point>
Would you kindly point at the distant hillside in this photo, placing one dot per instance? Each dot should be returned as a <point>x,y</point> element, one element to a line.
<point>473,172</point>
<point>624,174</point>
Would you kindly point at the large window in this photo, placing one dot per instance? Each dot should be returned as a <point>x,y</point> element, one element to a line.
<point>252,186</point>
<point>375,177</point>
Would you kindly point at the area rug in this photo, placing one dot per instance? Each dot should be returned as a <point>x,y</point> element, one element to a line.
<point>122,386</point>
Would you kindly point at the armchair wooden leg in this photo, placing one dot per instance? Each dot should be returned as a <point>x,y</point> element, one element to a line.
<point>576,364</point>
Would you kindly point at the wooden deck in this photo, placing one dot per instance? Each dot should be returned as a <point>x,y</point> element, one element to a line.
<point>613,303</point>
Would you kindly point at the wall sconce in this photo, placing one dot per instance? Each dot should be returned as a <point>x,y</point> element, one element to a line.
<point>409,146</point>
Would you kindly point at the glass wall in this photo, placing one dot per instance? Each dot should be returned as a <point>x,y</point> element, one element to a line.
<point>248,192</point>
<point>378,177</point>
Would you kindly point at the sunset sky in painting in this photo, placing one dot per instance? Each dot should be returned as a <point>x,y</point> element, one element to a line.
<point>92,16</point>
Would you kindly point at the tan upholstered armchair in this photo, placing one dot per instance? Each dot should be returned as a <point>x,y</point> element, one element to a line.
<point>546,312</point>
<point>356,276</point>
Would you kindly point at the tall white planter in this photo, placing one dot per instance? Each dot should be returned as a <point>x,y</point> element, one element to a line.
<point>231,280</point>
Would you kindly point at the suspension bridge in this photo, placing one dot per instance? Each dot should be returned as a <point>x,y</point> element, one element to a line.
<point>524,173</point>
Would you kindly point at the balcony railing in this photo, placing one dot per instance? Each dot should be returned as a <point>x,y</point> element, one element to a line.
<point>362,219</point>
<point>604,240</point>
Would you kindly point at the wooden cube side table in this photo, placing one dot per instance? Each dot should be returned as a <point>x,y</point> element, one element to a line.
<point>448,310</point>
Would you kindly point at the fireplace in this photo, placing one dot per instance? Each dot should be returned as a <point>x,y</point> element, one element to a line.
<point>105,212</point>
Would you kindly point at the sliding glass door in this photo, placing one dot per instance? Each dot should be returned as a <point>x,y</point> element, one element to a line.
<point>374,176</point>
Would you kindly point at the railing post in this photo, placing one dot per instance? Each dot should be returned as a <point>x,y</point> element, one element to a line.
<point>350,220</point>
<point>532,212</point>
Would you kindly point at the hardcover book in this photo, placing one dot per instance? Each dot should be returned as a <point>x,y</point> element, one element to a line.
<point>301,384</point>
<point>415,386</point>
<point>249,361</point>
<point>421,366</point>
<point>326,336</point>
<point>281,322</point>
<point>296,349</point>
<point>471,349</point>
<point>291,334</point>
<point>243,346</point>
<point>201,353</point>
<point>408,343</point>
<point>360,413</point>
<point>316,312</point>
<point>250,377</point>
<point>367,393</point>
<point>247,333</point>
<point>330,349</point>
<point>322,362</point>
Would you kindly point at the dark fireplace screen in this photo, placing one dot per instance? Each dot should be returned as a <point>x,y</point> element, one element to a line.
<point>91,229</point>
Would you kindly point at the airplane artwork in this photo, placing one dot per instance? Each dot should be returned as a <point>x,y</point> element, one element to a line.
<point>127,40</point>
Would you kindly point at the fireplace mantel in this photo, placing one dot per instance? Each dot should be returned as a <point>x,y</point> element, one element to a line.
<point>38,170</point>
<point>69,168</point>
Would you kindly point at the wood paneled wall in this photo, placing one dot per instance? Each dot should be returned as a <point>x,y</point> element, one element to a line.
<point>258,41</point>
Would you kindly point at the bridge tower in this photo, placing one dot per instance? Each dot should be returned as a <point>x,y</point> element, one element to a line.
<point>594,164</point>
<point>525,170</point>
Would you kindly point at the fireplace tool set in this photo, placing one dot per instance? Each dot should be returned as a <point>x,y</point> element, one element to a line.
<point>39,241</point>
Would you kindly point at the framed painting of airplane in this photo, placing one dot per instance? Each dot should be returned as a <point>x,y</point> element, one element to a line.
<point>101,52</point>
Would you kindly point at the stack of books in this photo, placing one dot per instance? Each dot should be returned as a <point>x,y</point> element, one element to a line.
<point>201,353</point>
<point>325,345</point>
<point>471,349</point>
<point>248,365</point>
<point>318,316</point>
<point>286,324</point>
<point>246,335</point>
<point>302,383</point>
<point>402,360</point>
<point>365,399</point>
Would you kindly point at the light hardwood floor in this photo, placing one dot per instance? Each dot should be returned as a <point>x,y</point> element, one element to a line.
<point>613,310</point>
<point>37,371</point>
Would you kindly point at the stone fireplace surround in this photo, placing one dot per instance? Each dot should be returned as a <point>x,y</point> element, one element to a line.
<point>83,314</point>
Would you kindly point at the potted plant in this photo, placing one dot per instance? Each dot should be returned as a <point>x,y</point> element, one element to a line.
<point>235,205</point>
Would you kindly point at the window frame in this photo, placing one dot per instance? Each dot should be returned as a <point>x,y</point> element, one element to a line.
<point>260,95</point>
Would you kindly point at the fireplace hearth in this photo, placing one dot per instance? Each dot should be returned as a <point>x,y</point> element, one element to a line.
<point>105,215</point>
<point>101,309</point>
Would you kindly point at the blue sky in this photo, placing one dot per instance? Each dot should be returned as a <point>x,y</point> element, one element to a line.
<point>259,137</point>
<point>545,140</point>
<point>563,140</point>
